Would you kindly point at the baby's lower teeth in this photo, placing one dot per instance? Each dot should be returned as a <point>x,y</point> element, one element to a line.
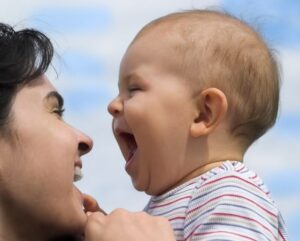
<point>78,174</point>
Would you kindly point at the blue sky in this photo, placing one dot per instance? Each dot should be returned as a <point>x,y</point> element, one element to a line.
<point>278,27</point>
<point>72,20</point>
<point>278,19</point>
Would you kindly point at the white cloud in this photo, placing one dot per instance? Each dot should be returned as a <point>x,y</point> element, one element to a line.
<point>291,80</point>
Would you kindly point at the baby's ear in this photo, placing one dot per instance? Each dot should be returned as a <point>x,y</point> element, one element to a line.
<point>211,107</point>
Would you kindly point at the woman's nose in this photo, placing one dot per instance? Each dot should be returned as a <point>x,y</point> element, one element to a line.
<point>115,107</point>
<point>85,143</point>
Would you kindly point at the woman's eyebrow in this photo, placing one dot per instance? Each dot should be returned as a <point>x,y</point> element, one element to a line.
<point>57,96</point>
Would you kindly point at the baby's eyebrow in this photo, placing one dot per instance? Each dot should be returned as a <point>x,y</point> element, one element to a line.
<point>127,78</point>
<point>124,79</point>
<point>57,96</point>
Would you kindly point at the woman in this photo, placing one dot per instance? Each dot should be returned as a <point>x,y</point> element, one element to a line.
<point>41,157</point>
<point>40,153</point>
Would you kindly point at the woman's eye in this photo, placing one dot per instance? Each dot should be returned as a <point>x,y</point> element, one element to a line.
<point>59,111</point>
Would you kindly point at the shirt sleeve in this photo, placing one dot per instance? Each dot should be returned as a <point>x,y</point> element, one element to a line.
<point>230,207</point>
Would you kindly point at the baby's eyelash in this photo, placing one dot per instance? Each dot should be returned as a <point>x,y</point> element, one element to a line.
<point>133,88</point>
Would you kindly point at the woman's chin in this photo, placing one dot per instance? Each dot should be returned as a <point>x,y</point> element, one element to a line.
<point>74,219</point>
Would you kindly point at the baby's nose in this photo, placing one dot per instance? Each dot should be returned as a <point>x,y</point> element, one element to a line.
<point>115,107</point>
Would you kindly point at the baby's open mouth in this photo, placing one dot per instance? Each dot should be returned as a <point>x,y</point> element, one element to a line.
<point>131,144</point>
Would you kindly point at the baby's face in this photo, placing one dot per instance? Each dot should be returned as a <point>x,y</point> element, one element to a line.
<point>152,115</point>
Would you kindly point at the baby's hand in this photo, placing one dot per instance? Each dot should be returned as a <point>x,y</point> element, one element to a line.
<point>90,204</point>
<point>121,225</point>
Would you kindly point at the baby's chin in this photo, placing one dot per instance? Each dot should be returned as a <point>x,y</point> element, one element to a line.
<point>141,188</point>
<point>151,191</point>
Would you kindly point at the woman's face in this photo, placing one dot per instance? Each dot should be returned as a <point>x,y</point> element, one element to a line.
<point>38,161</point>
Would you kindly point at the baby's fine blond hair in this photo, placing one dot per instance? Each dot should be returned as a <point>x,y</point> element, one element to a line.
<point>221,51</point>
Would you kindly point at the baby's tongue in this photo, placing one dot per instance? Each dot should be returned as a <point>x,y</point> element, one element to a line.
<point>132,146</point>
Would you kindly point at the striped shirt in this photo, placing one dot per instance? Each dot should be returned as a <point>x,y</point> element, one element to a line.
<point>229,202</point>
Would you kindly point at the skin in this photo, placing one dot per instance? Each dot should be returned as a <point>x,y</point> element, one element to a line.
<point>127,226</point>
<point>151,97</point>
<point>178,130</point>
<point>38,198</point>
<point>123,225</point>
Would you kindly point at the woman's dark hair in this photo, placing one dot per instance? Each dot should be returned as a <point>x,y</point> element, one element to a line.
<point>24,55</point>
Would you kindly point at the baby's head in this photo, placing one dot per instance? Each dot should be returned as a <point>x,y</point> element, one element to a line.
<point>191,85</point>
<point>221,51</point>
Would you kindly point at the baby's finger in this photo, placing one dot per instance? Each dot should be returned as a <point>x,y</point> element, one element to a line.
<point>91,205</point>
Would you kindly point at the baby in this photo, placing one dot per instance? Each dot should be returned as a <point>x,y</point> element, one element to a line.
<point>196,89</point>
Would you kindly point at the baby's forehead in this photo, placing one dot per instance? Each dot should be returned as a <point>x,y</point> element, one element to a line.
<point>208,35</point>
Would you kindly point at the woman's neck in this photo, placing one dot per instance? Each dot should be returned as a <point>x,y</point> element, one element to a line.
<point>16,226</point>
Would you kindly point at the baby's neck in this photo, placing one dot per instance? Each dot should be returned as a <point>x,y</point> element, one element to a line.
<point>210,152</point>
